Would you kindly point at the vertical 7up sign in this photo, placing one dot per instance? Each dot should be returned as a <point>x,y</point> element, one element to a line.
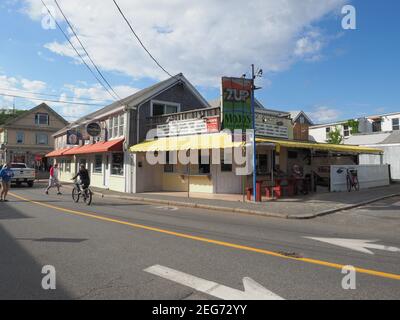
<point>236,103</point>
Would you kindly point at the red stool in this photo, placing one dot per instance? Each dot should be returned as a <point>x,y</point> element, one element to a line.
<point>277,192</point>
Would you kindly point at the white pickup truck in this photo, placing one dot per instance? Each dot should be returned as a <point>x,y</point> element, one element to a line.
<point>22,174</point>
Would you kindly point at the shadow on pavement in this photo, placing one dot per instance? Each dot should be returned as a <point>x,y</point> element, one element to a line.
<point>20,275</point>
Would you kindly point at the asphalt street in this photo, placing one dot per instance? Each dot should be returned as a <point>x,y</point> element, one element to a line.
<point>102,251</point>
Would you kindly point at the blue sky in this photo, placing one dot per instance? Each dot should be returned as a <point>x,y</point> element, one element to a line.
<point>342,74</point>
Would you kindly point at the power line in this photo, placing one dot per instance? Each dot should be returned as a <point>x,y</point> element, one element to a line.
<point>50,100</point>
<point>77,52</point>
<point>140,41</point>
<point>84,49</point>
<point>49,95</point>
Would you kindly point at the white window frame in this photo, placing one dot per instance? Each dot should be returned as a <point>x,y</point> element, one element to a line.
<point>327,131</point>
<point>37,119</point>
<point>165,103</point>
<point>395,125</point>
<point>114,124</point>
<point>23,137</point>
<point>346,130</point>
<point>37,139</point>
<point>94,164</point>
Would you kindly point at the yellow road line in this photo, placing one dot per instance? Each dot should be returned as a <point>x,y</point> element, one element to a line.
<point>212,241</point>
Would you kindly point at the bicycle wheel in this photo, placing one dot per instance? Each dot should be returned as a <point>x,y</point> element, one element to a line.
<point>349,184</point>
<point>75,195</point>
<point>88,197</point>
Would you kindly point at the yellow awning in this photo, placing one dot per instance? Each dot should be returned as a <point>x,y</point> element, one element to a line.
<point>194,142</point>
<point>321,146</point>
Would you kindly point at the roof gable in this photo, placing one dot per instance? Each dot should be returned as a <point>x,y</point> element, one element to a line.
<point>38,108</point>
<point>139,98</point>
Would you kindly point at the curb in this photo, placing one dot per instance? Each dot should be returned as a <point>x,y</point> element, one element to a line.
<point>346,208</point>
<point>241,210</point>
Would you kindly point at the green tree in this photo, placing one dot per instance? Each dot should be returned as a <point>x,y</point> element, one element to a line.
<point>5,116</point>
<point>353,125</point>
<point>335,136</point>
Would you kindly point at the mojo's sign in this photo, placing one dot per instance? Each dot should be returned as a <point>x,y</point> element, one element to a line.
<point>236,103</point>
<point>93,129</point>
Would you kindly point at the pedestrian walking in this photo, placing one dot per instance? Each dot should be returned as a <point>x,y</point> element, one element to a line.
<point>5,175</point>
<point>53,180</point>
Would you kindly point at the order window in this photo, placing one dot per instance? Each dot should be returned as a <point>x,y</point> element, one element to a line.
<point>204,164</point>
<point>98,163</point>
<point>117,165</point>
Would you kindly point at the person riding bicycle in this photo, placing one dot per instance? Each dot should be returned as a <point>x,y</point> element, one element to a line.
<point>84,178</point>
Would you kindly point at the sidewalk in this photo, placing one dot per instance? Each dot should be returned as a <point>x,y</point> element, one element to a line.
<point>294,208</point>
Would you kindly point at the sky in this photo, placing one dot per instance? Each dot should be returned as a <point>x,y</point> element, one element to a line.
<point>309,61</point>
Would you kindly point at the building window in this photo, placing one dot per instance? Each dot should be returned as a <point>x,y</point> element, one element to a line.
<point>262,164</point>
<point>302,120</point>
<point>161,108</point>
<point>20,137</point>
<point>117,165</point>
<point>346,130</point>
<point>121,125</point>
<point>42,119</point>
<point>377,126</point>
<point>98,163</point>
<point>327,130</point>
<point>42,139</point>
<point>395,124</point>
<point>226,161</point>
<point>117,125</point>
<point>168,167</point>
<point>204,164</point>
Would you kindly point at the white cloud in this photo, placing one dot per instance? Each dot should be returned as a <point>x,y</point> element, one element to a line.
<point>309,46</point>
<point>33,85</point>
<point>324,114</point>
<point>80,92</point>
<point>8,85</point>
<point>203,39</point>
<point>75,93</point>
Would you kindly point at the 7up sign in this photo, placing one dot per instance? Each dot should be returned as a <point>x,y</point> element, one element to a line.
<point>236,103</point>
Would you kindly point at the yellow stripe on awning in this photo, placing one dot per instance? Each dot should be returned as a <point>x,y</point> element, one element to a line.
<point>321,146</point>
<point>194,142</point>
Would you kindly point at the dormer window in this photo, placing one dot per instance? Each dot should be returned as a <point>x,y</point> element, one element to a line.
<point>42,119</point>
<point>160,108</point>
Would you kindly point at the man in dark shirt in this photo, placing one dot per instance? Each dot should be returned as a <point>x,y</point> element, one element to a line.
<point>83,175</point>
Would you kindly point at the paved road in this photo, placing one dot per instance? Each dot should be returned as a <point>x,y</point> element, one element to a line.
<point>102,251</point>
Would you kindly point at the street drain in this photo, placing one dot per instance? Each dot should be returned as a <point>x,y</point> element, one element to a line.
<point>290,254</point>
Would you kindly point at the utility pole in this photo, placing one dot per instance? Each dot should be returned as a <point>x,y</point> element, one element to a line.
<point>253,77</point>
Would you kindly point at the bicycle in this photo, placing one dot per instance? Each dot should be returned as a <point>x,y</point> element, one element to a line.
<point>86,193</point>
<point>351,178</point>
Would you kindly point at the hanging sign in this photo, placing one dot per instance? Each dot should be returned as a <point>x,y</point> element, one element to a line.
<point>236,103</point>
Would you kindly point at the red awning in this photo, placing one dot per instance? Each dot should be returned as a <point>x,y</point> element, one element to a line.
<point>56,153</point>
<point>99,147</point>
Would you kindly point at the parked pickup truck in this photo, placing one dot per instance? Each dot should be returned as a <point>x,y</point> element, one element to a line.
<point>22,174</point>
